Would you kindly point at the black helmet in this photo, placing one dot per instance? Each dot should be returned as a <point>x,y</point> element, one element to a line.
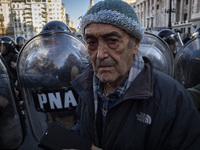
<point>20,41</point>
<point>9,44</point>
<point>196,33</point>
<point>55,26</point>
<point>165,33</point>
<point>168,36</point>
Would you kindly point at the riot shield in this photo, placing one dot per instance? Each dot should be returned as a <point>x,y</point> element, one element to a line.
<point>178,42</point>
<point>46,65</point>
<point>11,133</point>
<point>159,53</point>
<point>187,64</point>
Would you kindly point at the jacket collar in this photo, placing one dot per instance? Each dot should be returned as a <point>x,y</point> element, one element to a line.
<point>142,86</point>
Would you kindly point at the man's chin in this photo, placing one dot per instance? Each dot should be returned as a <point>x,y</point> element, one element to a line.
<point>106,79</point>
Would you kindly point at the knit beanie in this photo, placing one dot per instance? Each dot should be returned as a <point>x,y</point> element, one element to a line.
<point>114,12</point>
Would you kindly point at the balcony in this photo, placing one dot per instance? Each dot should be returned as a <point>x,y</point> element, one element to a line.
<point>28,16</point>
<point>27,9</point>
<point>195,16</point>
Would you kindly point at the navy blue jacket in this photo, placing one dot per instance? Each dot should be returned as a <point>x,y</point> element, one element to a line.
<point>156,113</point>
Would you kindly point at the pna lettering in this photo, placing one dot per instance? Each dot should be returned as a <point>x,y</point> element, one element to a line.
<point>55,101</point>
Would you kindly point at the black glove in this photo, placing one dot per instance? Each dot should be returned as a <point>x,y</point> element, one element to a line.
<point>57,137</point>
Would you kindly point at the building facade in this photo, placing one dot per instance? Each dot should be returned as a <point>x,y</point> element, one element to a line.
<point>69,22</point>
<point>27,17</point>
<point>91,4</point>
<point>130,1</point>
<point>183,15</point>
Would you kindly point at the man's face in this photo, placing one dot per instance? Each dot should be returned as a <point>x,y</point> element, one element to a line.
<point>3,49</point>
<point>20,43</point>
<point>110,52</point>
<point>173,47</point>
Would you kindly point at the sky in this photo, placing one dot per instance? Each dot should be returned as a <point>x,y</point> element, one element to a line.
<point>76,8</point>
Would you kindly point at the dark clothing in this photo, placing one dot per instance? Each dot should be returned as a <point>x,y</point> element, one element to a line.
<point>186,40</point>
<point>195,92</point>
<point>11,60</point>
<point>155,113</point>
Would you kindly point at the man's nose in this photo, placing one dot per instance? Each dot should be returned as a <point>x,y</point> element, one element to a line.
<point>102,50</point>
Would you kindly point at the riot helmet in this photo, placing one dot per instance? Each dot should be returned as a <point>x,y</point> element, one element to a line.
<point>54,26</point>
<point>173,39</point>
<point>7,45</point>
<point>20,41</point>
<point>165,33</point>
<point>196,33</point>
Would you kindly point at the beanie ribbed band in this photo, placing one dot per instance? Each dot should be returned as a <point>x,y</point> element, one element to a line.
<point>130,24</point>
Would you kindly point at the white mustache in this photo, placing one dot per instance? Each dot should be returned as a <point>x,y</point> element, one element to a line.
<point>106,62</point>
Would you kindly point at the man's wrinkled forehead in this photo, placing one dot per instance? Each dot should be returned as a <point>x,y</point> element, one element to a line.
<point>102,30</point>
<point>87,36</point>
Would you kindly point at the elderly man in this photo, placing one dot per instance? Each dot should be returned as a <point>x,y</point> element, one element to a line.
<point>124,103</point>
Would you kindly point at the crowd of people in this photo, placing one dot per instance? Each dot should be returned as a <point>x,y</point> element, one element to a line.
<point>123,102</point>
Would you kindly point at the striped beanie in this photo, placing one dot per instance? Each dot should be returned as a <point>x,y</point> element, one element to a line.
<point>114,12</point>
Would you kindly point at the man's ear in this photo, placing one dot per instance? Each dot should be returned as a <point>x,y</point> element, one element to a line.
<point>136,47</point>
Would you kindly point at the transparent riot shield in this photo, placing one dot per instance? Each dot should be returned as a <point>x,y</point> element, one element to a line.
<point>187,64</point>
<point>11,133</point>
<point>178,42</point>
<point>158,52</point>
<point>46,65</point>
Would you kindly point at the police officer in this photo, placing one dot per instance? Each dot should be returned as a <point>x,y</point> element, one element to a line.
<point>11,129</point>
<point>172,38</point>
<point>10,54</point>
<point>20,41</point>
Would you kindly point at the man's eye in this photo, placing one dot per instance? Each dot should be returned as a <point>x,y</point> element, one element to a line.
<point>91,42</point>
<point>112,41</point>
